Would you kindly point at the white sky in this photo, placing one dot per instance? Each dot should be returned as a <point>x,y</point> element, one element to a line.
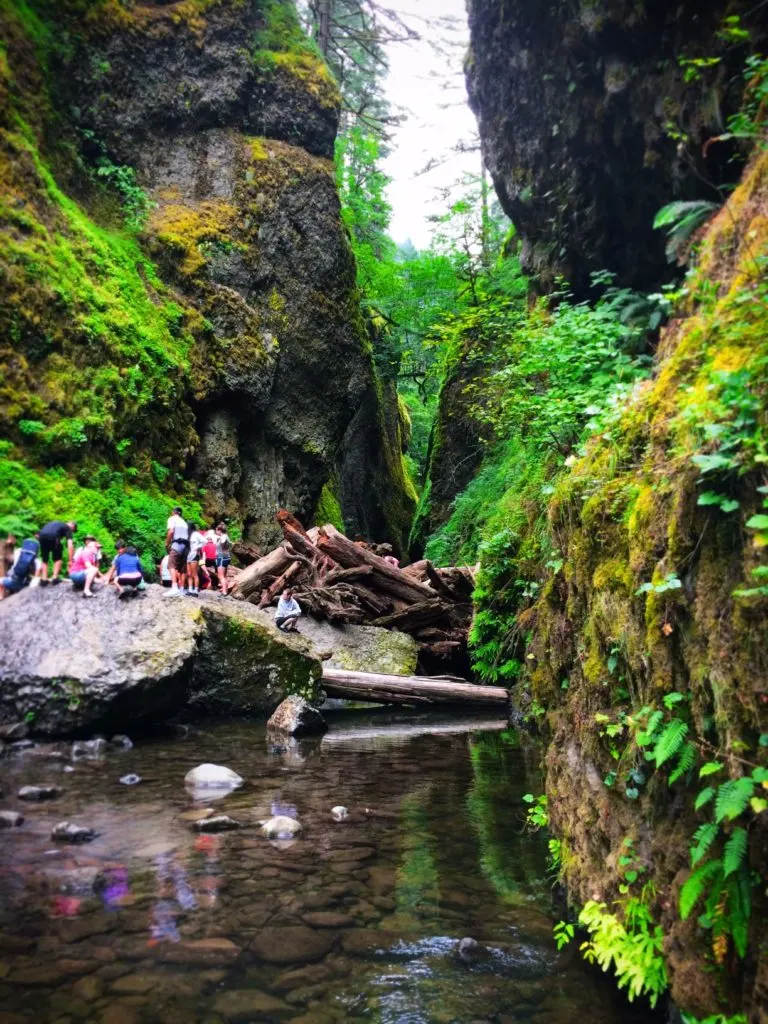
<point>423,82</point>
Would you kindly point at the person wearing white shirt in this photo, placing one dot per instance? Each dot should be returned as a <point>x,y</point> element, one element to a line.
<point>196,542</point>
<point>288,612</point>
<point>177,545</point>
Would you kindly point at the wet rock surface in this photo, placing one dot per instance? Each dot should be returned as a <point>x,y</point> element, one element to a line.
<point>154,923</point>
<point>296,717</point>
<point>142,661</point>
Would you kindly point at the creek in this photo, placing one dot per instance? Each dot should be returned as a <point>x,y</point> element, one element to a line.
<point>357,920</point>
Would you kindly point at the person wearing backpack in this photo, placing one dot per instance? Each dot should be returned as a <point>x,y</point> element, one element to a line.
<point>223,556</point>
<point>26,563</point>
<point>177,546</point>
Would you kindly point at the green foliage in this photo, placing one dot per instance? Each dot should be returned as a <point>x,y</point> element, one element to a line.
<point>669,582</point>
<point>632,947</point>
<point>563,933</point>
<point>681,220</point>
<point>537,815</point>
<point>105,506</point>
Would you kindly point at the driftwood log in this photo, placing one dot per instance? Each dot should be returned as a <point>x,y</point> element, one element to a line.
<point>409,689</point>
<point>345,581</point>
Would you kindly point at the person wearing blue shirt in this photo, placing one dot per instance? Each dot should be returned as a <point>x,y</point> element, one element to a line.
<point>127,571</point>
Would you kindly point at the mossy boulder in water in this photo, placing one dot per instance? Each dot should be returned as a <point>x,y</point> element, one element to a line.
<point>72,666</point>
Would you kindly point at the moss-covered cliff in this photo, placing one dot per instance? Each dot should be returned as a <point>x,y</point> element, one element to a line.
<point>178,305</point>
<point>583,113</point>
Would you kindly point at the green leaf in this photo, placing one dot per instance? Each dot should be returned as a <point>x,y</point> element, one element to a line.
<point>703,798</point>
<point>709,768</point>
<point>730,505</point>
<point>733,798</point>
<point>670,741</point>
<point>709,498</point>
<point>694,886</point>
<point>735,852</point>
<point>685,762</point>
<point>703,837</point>
<point>758,522</point>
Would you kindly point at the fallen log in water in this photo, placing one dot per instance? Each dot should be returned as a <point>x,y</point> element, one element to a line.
<point>381,689</point>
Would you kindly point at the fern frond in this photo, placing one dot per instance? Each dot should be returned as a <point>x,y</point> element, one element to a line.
<point>685,762</point>
<point>733,798</point>
<point>703,838</point>
<point>645,735</point>
<point>681,219</point>
<point>735,852</point>
<point>703,798</point>
<point>696,883</point>
<point>670,741</point>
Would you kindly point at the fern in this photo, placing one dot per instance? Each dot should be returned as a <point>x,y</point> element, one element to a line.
<point>704,797</point>
<point>681,219</point>
<point>670,741</point>
<point>703,837</point>
<point>694,886</point>
<point>685,762</point>
<point>735,852</point>
<point>644,736</point>
<point>733,798</point>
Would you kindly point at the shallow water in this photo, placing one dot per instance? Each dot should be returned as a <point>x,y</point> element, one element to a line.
<point>352,921</point>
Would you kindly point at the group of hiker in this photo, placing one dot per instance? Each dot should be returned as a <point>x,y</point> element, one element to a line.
<point>196,560</point>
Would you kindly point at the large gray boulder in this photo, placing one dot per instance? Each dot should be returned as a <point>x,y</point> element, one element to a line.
<point>72,666</point>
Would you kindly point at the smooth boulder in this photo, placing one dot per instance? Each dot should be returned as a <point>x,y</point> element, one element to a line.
<point>11,819</point>
<point>36,794</point>
<point>296,717</point>
<point>212,776</point>
<point>141,662</point>
<point>281,827</point>
<point>217,823</point>
<point>68,832</point>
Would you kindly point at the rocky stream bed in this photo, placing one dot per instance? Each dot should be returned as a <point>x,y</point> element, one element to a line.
<point>352,920</point>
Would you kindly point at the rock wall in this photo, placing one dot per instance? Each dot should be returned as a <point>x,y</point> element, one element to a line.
<point>255,366</point>
<point>581,107</point>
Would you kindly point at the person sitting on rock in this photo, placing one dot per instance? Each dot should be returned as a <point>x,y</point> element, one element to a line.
<point>288,612</point>
<point>120,547</point>
<point>177,545</point>
<point>84,567</point>
<point>129,574</point>
<point>51,537</point>
<point>23,567</point>
<point>164,572</point>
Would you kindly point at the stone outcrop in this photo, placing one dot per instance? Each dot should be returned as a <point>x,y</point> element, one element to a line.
<point>296,717</point>
<point>104,664</point>
<point>581,108</point>
<point>231,348</point>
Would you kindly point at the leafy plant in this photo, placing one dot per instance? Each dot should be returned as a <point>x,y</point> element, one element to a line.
<point>681,220</point>
<point>537,815</point>
<point>633,947</point>
<point>563,933</point>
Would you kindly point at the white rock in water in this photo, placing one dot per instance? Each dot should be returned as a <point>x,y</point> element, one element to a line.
<point>280,827</point>
<point>212,776</point>
<point>339,813</point>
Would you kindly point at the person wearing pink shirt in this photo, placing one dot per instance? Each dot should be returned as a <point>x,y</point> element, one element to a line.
<point>84,567</point>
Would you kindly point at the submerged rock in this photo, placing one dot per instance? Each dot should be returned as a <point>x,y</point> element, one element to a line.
<point>297,717</point>
<point>142,661</point>
<point>281,827</point>
<point>213,776</point>
<point>39,793</point>
<point>67,832</point>
<point>11,819</point>
<point>339,813</point>
<point>217,823</point>
<point>89,749</point>
<point>293,944</point>
<point>122,742</point>
<point>130,780</point>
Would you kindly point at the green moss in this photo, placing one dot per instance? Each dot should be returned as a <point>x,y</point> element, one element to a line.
<point>328,507</point>
<point>282,48</point>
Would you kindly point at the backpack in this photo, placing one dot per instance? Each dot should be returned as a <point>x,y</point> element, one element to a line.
<point>25,564</point>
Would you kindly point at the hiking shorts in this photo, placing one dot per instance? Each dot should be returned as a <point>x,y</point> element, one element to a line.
<point>78,579</point>
<point>222,561</point>
<point>177,560</point>
<point>50,547</point>
<point>193,558</point>
<point>130,581</point>
<point>12,584</point>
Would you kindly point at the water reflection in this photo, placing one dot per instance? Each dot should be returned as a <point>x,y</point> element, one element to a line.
<point>353,920</point>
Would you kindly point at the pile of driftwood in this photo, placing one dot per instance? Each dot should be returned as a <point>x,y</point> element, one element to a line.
<point>346,581</point>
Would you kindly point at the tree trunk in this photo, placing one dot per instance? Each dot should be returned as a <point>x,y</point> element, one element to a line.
<point>378,688</point>
<point>251,578</point>
<point>386,577</point>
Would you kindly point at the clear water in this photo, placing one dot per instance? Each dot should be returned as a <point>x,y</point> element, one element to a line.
<point>352,921</point>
